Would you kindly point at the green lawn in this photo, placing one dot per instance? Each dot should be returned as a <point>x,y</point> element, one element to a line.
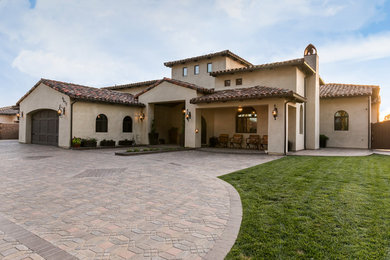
<point>314,207</point>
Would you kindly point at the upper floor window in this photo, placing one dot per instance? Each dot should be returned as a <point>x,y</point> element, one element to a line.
<point>227,82</point>
<point>196,69</point>
<point>101,123</point>
<point>341,121</point>
<point>246,120</point>
<point>185,72</point>
<point>209,67</point>
<point>127,125</point>
<point>239,81</point>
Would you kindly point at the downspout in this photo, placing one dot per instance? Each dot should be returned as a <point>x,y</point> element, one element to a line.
<point>71,122</point>
<point>369,122</point>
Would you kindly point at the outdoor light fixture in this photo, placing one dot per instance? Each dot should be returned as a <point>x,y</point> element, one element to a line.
<point>188,115</point>
<point>275,112</point>
<point>20,115</point>
<point>239,109</point>
<point>61,110</point>
<point>196,130</point>
<point>141,116</point>
<point>183,110</point>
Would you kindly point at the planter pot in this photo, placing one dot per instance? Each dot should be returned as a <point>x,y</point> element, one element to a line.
<point>323,143</point>
<point>107,143</point>
<point>153,138</point>
<point>126,142</point>
<point>88,143</point>
<point>76,145</point>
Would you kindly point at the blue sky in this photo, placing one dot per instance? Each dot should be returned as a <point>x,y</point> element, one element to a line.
<point>95,43</point>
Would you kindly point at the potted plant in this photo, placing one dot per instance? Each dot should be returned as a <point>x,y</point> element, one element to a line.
<point>153,135</point>
<point>105,142</point>
<point>125,142</point>
<point>76,142</point>
<point>91,142</point>
<point>323,140</point>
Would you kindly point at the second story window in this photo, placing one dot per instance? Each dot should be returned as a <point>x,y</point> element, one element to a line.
<point>227,83</point>
<point>239,81</point>
<point>196,69</point>
<point>185,72</point>
<point>209,67</point>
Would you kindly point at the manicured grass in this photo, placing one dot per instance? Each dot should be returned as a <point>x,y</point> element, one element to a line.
<point>314,207</point>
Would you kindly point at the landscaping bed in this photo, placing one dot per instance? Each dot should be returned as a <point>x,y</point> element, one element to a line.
<point>149,150</point>
<point>314,208</point>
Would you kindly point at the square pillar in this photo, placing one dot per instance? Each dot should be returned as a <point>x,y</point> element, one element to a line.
<point>192,127</point>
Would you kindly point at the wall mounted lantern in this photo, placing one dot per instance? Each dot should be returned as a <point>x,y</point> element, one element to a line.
<point>61,110</point>
<point>188,115</point>
<point>239,109</point>
<point>275,112</point>
<point>183,110</point>
<point>19,115</point>
<point>196,130</point>
<point>141,116</point>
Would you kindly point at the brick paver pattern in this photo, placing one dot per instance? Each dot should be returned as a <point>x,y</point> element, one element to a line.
<point>95,205</point>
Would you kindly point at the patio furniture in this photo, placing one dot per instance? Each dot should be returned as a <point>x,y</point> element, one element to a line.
<point>223,140</point>
<point>236,140</point>
<point>264,142</point>
<point>254,141</point>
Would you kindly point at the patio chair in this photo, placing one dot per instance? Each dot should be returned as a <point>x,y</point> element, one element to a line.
<point>253,140</point>
<point>236,140</point>
<point>264,142</point>
<point>223,140</point>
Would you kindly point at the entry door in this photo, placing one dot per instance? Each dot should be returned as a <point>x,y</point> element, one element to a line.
<point>44,128</point>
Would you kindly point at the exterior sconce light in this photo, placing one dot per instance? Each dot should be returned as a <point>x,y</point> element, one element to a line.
<point>141,116</point>
<point>19,115</point>
<point>188,115</point>
<point>183,110</point>
<point>196,130</point>
<point>61,110</point>
<point>275,112</point>
<point>239,109</point>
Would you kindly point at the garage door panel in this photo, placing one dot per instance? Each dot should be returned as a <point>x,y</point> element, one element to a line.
<point>45,128</point>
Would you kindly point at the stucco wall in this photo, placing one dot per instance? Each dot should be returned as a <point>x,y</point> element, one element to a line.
<point>84,121</point>
<point>375,113</point>
<point>232,64</point>
<point>357,134</point>
<point>203,79</point>
<point>277,78</point>
<point>8,119</point>
<point>44,97</point>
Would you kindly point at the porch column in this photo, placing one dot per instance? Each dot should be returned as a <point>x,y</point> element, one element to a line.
<point>276,128</point>
<point>192,139</point>
<point>146,126</point>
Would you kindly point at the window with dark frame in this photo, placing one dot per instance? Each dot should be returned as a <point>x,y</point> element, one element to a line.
<point>127,125</point>
<point>239,81</point>
<point>246,120</point>
<point>185,72</point>
<point>101,123</point>
<point>341,121</point>
<point>227,82</point>
<point>196,69</point>
<point>209,67</point>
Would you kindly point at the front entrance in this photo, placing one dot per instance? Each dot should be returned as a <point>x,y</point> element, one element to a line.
<point>169,122</point>
<point>380,135</point>
<point>44,128</point>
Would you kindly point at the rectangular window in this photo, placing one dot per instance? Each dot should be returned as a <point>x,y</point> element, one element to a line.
<point>209,67</point>
<point>196,69</point>
<point>238,82</point>
<point>227,83</point>
<point>185,72</point>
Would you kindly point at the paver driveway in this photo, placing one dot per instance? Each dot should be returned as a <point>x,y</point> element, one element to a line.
<point>94,205</point>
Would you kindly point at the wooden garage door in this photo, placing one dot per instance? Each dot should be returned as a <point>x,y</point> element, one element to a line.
<point>45,128</point>
<point>380,135</point>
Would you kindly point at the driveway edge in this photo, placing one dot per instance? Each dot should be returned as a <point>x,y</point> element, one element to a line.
<point>229,235</point>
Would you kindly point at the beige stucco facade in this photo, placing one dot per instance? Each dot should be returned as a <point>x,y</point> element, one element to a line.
<point>358,110</point>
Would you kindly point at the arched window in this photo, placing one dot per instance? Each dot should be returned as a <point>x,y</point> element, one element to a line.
<point>246,120</point>
<point>101,123</point>
<point>341,121</point>
<point>127,125</point>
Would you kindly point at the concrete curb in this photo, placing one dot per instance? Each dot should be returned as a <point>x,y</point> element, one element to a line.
<point>229,235</point>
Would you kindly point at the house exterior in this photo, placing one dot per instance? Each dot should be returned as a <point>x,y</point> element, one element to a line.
<point>9,123</point>
<point>206,96</point>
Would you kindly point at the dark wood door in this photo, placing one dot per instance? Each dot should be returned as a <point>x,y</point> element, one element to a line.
<point>380,135</point>
<point>44,128</point>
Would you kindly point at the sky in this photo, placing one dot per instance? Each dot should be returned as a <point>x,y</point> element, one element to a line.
<point>103,43</point>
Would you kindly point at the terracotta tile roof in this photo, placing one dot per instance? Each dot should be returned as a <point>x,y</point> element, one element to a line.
<point>132,85</point>
<point>210,55</point>
<point>296,62</point>
<point>179,83</point>
<point>332,90</point>
<point>8,111</point>
<point>85,93</point>
<point>246,93</point>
